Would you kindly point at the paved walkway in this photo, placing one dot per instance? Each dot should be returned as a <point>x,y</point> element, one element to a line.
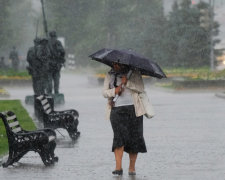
<point>185,141</point>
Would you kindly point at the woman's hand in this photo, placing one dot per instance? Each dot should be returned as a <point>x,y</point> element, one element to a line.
<point>124,80</point>
<point>118,89</point>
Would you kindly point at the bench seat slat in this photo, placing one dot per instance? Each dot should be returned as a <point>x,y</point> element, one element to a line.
<point>13,124</point>
<point>44,101</point>
<point>51,138</point>
<point>48,111</point>
<point>46,106</point>
<point>11,117</point>
<point>40,97</point>
<point>16,130</point>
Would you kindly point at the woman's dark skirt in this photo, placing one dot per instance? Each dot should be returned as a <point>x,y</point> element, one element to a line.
<point>128,129</point>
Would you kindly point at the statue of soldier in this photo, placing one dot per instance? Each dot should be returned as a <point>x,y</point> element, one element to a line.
<point>56,62</point>
<point>13,55</point>
<point>32,61</point>
<point>38,59</point>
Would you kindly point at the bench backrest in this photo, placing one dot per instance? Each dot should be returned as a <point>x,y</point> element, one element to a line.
<point>45,104</point>
<point>10,121</point>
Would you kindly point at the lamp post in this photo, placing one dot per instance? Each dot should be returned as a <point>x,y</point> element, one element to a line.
<point>212,65</point>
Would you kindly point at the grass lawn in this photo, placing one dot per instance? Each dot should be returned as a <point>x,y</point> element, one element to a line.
<point>11,74</point>
<point>195,74</point>
<point>23,117</point>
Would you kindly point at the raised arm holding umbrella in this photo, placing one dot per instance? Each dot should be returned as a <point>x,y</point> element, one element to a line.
<point>126,112</point>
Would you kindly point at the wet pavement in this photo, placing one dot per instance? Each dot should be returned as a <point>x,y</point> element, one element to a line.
<point>185,140</point>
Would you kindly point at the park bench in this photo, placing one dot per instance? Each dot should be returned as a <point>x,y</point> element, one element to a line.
<point>67,119</point>
<point>21,141</point>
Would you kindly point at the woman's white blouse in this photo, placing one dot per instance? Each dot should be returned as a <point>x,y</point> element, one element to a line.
<point>125,98</point>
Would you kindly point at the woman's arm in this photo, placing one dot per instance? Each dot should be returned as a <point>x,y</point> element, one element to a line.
<point>135,82</point>
<point>108,93</point>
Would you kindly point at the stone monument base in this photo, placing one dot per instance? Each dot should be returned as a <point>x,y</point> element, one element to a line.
<point>58,99</point>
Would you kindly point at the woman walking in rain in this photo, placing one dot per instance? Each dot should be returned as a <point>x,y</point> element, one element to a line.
<point>125,114</point>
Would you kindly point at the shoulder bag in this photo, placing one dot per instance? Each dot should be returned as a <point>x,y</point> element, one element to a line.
<point>147,105</point>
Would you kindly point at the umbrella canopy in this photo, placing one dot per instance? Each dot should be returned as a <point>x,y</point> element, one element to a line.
<point>130,58</point>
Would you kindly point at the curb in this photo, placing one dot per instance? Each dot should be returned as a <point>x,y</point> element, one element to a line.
<point>15,82</point>
<point>3,158</point>
<point>199,83</point>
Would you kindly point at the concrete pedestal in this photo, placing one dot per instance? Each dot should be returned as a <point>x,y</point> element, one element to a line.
<point>58,99</point>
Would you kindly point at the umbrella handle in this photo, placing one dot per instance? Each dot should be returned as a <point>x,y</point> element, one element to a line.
<point>115,98</point>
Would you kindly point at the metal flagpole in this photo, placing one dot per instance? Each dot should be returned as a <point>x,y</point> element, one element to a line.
<point>44,19</point>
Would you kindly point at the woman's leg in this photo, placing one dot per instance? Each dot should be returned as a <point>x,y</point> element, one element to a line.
<point>118,156</point>
<point>133,157</point>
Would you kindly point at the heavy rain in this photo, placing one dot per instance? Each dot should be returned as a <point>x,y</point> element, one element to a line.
<point>112,89</point>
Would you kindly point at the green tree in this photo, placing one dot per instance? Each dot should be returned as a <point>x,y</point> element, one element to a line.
<point>91,25</point>
<point>172,36</point>
<point>16,25</point>
<point>79,22</point>
<point>4,7</point>
<point>188,42</point>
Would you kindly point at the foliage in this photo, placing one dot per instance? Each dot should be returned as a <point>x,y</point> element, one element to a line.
<point>178,40</point>
<point>188,44</point>
<point>4,5</point>
<point>23,117</point>
<point>92,25</point>
<point>202,73</point>
<point>17,25</point>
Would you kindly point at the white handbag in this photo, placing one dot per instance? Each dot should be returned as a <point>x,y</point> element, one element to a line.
<point>147,105</point>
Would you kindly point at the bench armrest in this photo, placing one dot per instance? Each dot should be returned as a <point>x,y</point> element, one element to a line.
<point>43,136</point>
<point>54,116</point>
<point>70,111</point>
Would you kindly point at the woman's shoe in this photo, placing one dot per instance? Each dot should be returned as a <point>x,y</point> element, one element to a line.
<point>118,172</point>
<point>132,173</point>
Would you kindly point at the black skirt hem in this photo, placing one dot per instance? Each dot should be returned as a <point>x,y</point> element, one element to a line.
<point>130,151</point>
<point>128,130</point>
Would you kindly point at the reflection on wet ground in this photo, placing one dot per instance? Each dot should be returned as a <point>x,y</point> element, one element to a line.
<point>65,141</point>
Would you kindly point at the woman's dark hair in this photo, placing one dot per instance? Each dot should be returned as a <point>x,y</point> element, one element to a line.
<point>124,68</point>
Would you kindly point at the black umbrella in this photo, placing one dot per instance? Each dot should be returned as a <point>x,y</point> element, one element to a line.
<point>130,58</point>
